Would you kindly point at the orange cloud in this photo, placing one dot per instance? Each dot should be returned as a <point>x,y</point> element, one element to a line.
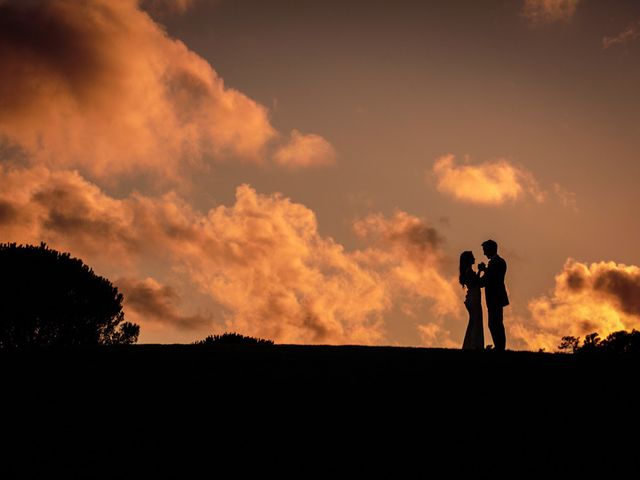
<point>629,34</point>
<point>265,260</point>
<point>489,183</point>
<point>539,12</point>
<point>305,151</point>
<point>262,260</point>
<point>601,297</point>
<point>99,86</point>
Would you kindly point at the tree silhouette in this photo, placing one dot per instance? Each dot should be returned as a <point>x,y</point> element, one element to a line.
<point>50,298</point>
<point>616,342</point>
<point>622,342</point>
<point>591,343</point>
<point>570,343</point>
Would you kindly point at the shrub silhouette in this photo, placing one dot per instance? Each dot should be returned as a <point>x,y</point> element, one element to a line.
<point>50,298</point>
<point>233,339</point>
<point>569,343</point>
<point>617,342</point>
<point>622,342</point>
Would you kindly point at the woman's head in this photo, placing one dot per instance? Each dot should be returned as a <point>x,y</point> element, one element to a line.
<point>466,260</point>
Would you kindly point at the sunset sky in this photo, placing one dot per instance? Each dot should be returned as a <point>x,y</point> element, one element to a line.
<point>310,171</point>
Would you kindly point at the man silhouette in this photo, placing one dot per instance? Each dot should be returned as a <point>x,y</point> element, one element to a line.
<point>495,292</point>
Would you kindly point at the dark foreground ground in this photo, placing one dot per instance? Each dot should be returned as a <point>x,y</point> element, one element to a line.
<point>185,411</point>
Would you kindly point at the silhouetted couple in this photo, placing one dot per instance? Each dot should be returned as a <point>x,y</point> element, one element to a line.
<point>491,278</point>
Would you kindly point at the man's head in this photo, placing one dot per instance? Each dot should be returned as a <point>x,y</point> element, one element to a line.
<point>490,248</point>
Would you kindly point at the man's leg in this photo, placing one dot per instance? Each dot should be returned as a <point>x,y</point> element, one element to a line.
<point>496,327</point>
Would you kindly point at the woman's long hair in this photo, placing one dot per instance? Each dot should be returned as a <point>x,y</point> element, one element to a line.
<point>466,260</point>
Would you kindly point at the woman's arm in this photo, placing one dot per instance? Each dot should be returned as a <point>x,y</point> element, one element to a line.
<point>484,278</point>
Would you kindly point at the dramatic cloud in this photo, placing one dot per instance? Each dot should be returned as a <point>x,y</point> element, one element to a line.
<point>629,34</point>
<point>99,86</point>
<point>305,151</point>
<point>539,12</point>
<point>602,297</point>
<point>266,262</point>
<point>490,183</point>
<point>262,259</point>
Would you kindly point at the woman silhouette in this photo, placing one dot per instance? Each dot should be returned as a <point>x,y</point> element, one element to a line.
<point>474,337</point>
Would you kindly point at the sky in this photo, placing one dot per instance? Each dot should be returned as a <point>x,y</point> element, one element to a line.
<point>310,172</point>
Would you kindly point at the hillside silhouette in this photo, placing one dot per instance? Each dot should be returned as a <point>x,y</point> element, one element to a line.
<point>182,410</point>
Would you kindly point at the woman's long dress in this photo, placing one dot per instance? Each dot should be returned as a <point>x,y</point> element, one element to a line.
<point>474,337</point>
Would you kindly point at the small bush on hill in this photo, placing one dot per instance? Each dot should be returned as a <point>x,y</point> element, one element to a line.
<point>232,339</point>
